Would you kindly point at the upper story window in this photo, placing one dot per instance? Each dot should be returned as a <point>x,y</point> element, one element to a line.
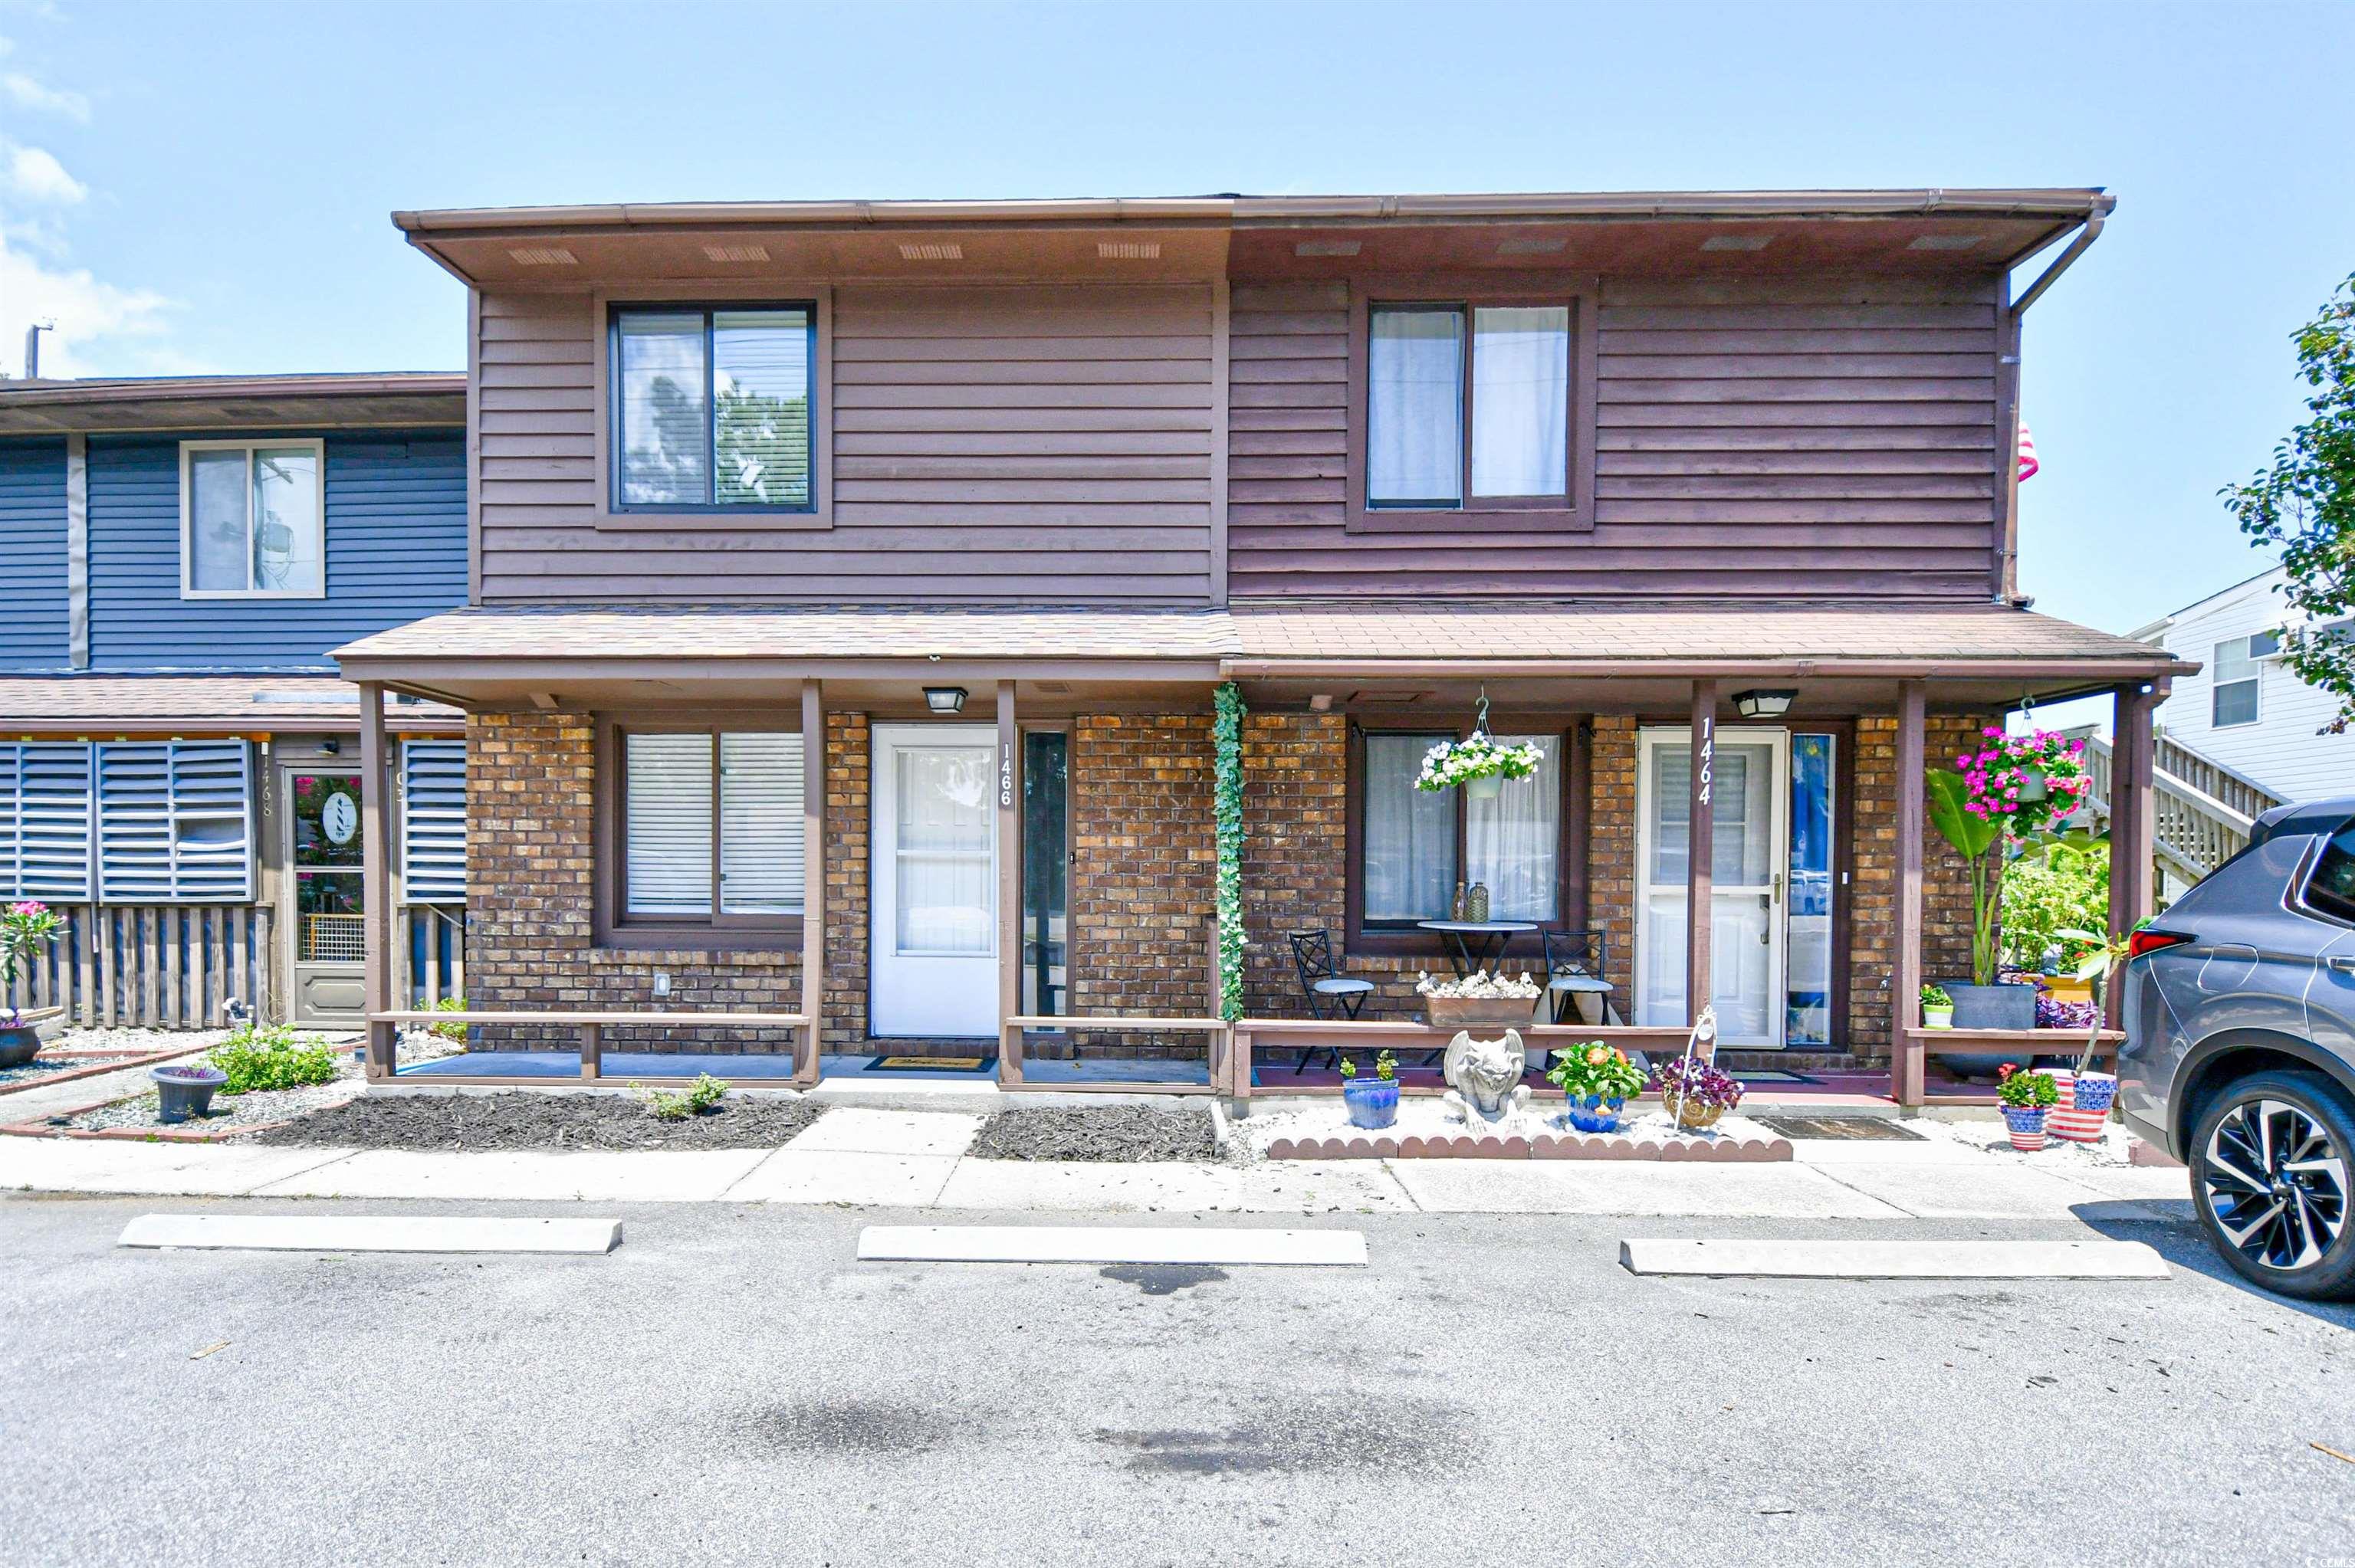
<point>1467,401</point>
<point>252,524</point>
<point>2233,675</point>
<point>1472,411</point>
<point>712,407</point>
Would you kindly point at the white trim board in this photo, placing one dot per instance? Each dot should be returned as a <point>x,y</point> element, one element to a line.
<point>356,1232</point>
<point>1108,1244</point>
<point>1748,1260</point>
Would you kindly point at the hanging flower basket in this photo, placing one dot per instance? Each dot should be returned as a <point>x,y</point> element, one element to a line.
<point>1479,763</point>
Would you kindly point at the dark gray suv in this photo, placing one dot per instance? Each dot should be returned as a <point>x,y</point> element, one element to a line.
<point>2240,1050</point>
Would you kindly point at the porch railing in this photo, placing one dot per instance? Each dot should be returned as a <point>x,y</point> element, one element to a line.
<point>1219,1042</point>
<point>591,1027</point>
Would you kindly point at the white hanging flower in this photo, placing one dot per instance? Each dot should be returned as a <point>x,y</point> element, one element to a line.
<point>1454,762</point>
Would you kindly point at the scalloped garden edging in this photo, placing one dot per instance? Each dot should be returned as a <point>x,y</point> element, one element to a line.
<point>1728,1151</point>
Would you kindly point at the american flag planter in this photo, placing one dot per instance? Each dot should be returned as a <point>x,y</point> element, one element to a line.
<point>2026,1124</point>
<point>2083,1107</point>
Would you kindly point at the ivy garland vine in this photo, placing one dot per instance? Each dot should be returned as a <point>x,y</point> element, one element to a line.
<point>1227,732</point>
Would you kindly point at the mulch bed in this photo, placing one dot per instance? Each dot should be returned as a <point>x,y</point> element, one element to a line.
<point>524,1120</point>
<point>1095,1132</point>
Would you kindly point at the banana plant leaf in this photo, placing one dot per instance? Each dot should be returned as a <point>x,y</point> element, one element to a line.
<point>1972,836</point>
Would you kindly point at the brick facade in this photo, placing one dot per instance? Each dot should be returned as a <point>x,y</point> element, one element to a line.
<point>1295,807</point>
<point>1142,878</point>
<point>1144,857</point>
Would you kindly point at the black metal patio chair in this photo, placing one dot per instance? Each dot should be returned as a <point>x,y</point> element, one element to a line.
<point>1574,963</point>
<point>1331,994</point>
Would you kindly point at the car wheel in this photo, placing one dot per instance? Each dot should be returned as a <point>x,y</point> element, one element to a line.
<point>2273,1167</point>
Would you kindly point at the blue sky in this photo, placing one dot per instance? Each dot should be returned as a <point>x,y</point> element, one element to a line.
<point>198,187</point>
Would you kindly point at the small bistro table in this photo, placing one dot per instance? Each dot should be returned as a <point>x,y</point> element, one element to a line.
<point>1473,945</point>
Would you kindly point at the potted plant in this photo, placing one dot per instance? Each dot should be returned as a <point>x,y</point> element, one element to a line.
<point>1974,805</point>
<point>2080,1112</point>
<point>2027,1095</point>
<point>1937,1008</point>
<point>1479,762</point>
<point>1696,1093</point>
<point>1373,1102</point>
<point>1597,1079</point>
<point>1478,998</point>
<point>25,930</point>
<point>182,1092</point>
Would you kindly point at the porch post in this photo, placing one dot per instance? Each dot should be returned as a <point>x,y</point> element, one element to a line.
<point>1701,846</point>
<point>2132,748</point>
<point>375,880</point>
<point>1907,1061</point>
<point>812,1039</point>
<point>1009,877</point>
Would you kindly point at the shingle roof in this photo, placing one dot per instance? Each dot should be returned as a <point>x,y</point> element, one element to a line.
<point>813,632</point>
<point>196,702</point>
<point>1598,632</point>
<point>1635,631</point>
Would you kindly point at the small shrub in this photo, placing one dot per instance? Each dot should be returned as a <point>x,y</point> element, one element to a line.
<point>698,1098</point>
<point>453,1033</point>
<point>260,1057</point>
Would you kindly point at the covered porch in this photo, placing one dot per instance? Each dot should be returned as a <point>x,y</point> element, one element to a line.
<point>983,845</point>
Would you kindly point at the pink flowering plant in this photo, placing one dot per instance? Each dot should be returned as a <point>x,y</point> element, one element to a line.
<point>25,930</point>
<point>1976,804</point>
<point>1697,1083</point>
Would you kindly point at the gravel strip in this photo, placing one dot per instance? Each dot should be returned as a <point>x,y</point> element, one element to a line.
<point>1095,1132</point>
<point>136,1042</point>
<point>42,1066</point>
<point>520,1120</point>
<point>245,1110</point>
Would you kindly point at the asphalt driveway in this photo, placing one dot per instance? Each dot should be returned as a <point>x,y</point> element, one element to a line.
<point>730,1387</point>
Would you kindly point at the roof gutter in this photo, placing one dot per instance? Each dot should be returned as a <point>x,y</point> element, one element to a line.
<point>2159,663</point>
<point>2008,563</point>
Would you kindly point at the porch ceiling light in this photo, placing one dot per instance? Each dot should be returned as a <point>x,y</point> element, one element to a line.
<point>1764,704</point>
<point>945,699</point>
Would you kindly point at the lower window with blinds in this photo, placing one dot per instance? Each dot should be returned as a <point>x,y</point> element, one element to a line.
<point>704,832</point>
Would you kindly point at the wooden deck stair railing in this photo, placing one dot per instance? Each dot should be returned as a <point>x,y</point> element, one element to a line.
<point>2203,810</point>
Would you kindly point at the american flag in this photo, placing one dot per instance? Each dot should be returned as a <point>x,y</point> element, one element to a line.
<point>2028,464</point>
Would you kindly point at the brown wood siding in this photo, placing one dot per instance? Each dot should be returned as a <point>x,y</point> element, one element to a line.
<point>1768,439</point>
<point>990,445</point>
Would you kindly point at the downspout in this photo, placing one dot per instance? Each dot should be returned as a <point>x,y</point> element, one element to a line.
<point>2008,363</point>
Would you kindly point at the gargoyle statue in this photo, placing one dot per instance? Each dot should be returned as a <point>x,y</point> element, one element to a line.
<point>1485,1076</point>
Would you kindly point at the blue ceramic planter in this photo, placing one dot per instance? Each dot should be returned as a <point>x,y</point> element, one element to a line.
<point>1373,1102</point>
<point>1593,1113</point>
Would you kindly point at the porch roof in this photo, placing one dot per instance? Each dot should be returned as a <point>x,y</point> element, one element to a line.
<point>196,705</point>
<point>1682,638</point>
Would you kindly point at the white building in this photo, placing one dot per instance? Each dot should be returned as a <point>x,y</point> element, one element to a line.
<point>2246,710</point>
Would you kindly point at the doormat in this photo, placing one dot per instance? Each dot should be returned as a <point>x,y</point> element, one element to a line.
<point>1771,1076</point>
<point>932,1065</point>
<point>1851,1128</point>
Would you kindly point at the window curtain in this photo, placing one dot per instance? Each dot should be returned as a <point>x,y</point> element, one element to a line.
<point>1520,400</point>
<point>1512,840</point>
<point>1414,439</point>
<point>668,824</point>
<point>941,826</point>
<point>1409,834</point>
<point>217,532</point>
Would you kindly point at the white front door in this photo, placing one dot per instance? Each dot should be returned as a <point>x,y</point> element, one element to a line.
<point>933,947</point>
<point>1750,807</point>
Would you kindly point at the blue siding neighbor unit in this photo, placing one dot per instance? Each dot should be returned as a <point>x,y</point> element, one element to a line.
<point>396,526</point>
<point>32,634</point>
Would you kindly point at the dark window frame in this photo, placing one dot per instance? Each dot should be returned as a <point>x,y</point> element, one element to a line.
<point>2329,907</point>
<point>1401,938</point>
<point>616,448</point>
<point>1573,512</point>
<point>612,925</point>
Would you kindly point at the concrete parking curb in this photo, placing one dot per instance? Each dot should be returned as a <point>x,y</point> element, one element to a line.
<point>1746,1259</point>
<point>370,1232</point>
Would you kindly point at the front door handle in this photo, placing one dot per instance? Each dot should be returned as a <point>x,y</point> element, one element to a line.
<point>2344,966</point>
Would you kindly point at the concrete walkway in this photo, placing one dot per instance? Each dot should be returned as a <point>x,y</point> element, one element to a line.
<point>917,1160</point>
